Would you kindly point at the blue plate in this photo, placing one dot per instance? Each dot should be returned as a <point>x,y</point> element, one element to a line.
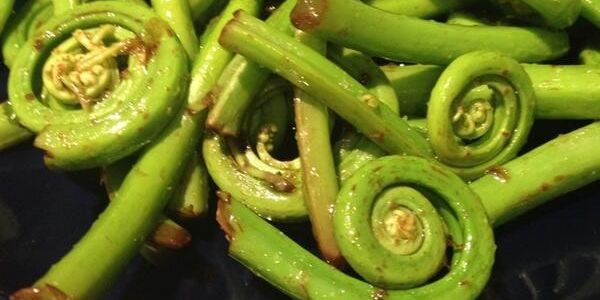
<point>550,253</point>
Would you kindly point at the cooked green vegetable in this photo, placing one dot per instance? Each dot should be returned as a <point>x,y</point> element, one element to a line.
<point>473,134</point>
<point>562,91</point>
<point>326,82</point>
<point>319,178</point>
<point>299,274</point>
<point>241,82</point>
<point>131,86</point>
<point>279,260</point>
<point>106,129</point>
<point>145,190</point>
<point>270,187</point>
<point>529,180</point>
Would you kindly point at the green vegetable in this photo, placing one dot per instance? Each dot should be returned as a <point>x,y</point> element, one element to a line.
<point>529,180</point>
<point>177,14</point>
<point>356,25</point>
<point>271,188</point>
<point>321,79</point>
<point>108,130</point>
<point>290,268</point>
<point>363,69</point>
<point>562,91</point>
<point>142,196</point>
<point>191,197</point>
<point>320,184</point>
<point>241,82</point>
<point>505,193</point>
<point>408,243</point>
<point>473,134</point>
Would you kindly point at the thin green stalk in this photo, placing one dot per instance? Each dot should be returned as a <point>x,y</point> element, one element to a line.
<point>11,133</point>
<point>562,92</point>
<point>190,201</point>
<point>321,79</point>
<point>564,164</point>
<point>84,273</point>
<point>318,170</point>
<point>366,71</point>
<point>356,25</point>
<point>419,8</point>
<point>190,197</point>
<point>242,80</point>
<point>200,94</point>
<point>113,176</point>
<point>177,13</point>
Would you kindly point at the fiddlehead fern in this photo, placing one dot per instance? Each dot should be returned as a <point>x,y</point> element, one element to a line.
<point>407,233</point>
<point>107,128</point>
<point>356,25</point>
<point>304,277</point>
<point>271,188</point>
<point>473,134</point>
<point>313,73</point>
<point>562,91</point>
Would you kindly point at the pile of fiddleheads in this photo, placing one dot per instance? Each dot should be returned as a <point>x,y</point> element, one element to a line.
<point>400,147</point>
